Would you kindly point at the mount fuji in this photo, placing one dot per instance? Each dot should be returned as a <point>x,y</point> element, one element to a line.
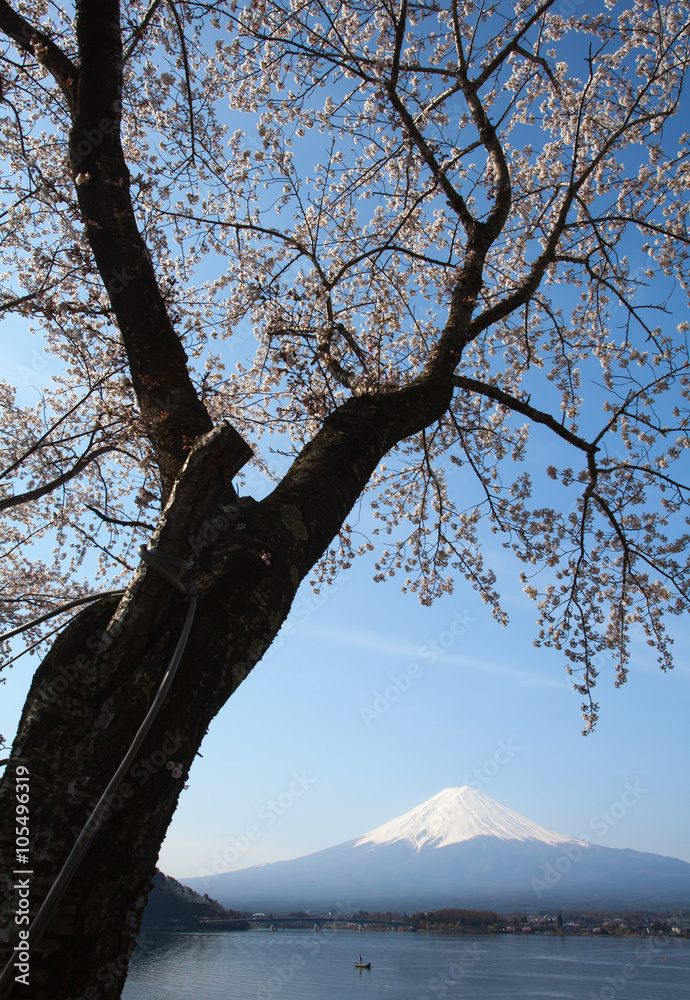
<point>461,848</point>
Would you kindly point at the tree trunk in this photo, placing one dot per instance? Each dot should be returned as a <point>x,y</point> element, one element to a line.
<point>93,689</point>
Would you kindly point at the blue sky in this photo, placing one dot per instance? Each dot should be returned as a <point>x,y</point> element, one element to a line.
<point>350,721</point>
<point>370,703</point>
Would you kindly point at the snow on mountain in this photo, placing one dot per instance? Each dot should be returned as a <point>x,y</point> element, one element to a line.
<point>460,848</point>
<point>458,814</point>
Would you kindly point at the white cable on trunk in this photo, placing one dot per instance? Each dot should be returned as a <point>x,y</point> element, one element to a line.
<point>162,564</point>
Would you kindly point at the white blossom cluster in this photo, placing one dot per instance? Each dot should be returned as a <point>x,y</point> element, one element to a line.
<point>310,181</point>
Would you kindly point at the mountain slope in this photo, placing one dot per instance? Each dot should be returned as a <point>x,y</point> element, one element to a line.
<point>171,903</point>
<point>460,848</point>
<point>456,815</point>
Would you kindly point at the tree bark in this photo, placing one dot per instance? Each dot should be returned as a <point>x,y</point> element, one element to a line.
<point>170,409</point>
<point>93,689</point>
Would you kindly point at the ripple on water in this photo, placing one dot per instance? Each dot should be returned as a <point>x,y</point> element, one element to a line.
<point>303,965</point>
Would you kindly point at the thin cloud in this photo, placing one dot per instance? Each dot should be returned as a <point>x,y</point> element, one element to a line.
<point>377,643</point>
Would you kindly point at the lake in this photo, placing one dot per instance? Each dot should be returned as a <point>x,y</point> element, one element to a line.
<point>306,965</point>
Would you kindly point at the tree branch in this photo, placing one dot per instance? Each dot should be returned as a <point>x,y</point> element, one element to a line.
<point>187,74</point>
<point>520,406</point>
<point>118,521</point>
<point>513,46</point>
<point>40,491</point>
<point>44,437</point>
<point>171,410</point>
<point>138,33</point>
<point>34,42</point>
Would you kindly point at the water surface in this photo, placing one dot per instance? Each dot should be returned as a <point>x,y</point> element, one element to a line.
<point>306,965</point>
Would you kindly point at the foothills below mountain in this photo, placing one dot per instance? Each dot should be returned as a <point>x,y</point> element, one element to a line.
<point>171,904</point>
<point>461,848</point>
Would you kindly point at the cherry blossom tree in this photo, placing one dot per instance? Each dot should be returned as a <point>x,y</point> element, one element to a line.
<point>418,246</point>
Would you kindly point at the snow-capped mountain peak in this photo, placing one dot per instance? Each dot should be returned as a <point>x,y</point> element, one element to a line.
<point>458,814</point>
<point>492,859</point>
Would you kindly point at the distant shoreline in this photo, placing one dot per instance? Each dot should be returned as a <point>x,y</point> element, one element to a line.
<point>209,927</point>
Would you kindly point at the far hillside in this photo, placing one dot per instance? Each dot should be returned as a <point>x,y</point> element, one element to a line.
<point>171,904</point>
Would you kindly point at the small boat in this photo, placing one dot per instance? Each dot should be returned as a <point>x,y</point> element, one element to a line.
<point>362,965</point>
